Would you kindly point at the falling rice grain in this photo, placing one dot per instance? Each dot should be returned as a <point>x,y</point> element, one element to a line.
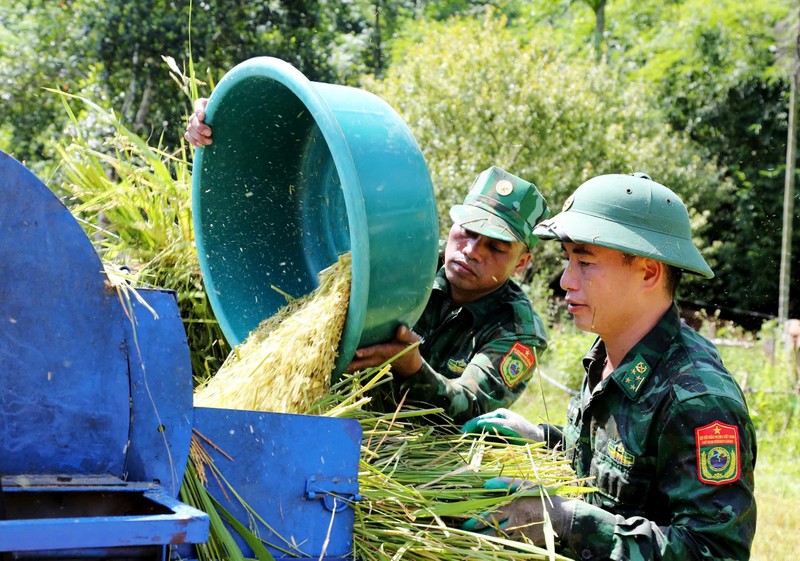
<point>285,364</point>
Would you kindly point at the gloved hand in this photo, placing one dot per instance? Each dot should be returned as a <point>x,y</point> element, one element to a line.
<point>505,423</point>
<point>526,517</point>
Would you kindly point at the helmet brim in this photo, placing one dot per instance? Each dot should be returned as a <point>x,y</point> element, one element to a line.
<point>579,227</point>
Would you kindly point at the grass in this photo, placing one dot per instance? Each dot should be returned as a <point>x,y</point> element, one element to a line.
<point>777,497</point>
<point>761,367</point>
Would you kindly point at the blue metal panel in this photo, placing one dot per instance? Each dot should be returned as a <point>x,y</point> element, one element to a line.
<point>64,391</point>
<point>127,515</point>
<point>282,467</point>
<point>161,392</point>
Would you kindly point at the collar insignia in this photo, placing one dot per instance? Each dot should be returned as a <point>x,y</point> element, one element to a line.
<point>633,378</point>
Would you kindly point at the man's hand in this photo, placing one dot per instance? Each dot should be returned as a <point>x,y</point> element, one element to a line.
<point>375,355</point>
<point>526,517</point>
<point>505,423</point>
<point>197,132</point>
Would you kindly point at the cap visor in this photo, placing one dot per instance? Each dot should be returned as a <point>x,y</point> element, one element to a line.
<point>483,222</point>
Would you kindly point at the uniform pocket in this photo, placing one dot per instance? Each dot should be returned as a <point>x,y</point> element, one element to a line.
<point>571,431</point>
<point>624,481</point>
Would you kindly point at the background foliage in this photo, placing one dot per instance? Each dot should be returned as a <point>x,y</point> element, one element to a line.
<point>693,93</point>
<point>554,118</point>
<point>690,91</point>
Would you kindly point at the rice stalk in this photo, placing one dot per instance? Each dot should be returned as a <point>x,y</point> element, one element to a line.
<point>419,483</point>
<point>134,202</point>
<point>285,364</point>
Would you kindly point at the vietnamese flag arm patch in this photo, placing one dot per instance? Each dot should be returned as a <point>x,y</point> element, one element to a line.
<point>516,364</point>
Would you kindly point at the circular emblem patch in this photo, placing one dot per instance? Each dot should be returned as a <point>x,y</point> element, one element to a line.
<point>504,187</point>
<point>568,203</point>
<point>718,459</point>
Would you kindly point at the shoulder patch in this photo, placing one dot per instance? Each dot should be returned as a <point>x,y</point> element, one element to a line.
<point>718,459</point>
<point>516,363</point>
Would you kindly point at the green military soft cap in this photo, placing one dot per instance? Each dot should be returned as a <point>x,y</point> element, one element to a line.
<point>632,214</point>
<point>503,206</point>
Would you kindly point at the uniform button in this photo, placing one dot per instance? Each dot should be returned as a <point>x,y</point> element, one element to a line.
<point>586,554</point>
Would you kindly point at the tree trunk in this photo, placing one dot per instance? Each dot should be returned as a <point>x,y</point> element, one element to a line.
<point>788,193</point>
<point>378,39</point>
<point>144,106</point>
<point>599,28</point>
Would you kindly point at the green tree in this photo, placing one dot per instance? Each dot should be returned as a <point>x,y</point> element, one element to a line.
<point>712,71</point>
<point>40,46</point>
<point>599,9</point>
<point>553,119</point>
<point>111,51</point>
<point>135,35</point>
<point>713,66</point>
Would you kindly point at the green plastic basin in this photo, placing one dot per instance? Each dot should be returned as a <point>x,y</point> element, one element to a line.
<point>298,173</point>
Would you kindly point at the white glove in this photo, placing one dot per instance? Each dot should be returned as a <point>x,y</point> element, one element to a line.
<point>505,423</point>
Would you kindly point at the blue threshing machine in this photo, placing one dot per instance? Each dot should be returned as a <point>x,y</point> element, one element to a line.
<point>96,415</point>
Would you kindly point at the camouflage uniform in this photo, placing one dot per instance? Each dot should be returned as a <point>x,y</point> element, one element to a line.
<point>666,437</point>
<point>477,357</point>
<point>671,447</point>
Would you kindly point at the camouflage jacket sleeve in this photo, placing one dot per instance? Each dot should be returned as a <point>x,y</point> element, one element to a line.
<point>495,377</point>
<point>701,509</point>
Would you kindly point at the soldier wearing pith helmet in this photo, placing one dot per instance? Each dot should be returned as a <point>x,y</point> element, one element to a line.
<point>632,214</point>
<point>660,425</point>
<point>480,337</point>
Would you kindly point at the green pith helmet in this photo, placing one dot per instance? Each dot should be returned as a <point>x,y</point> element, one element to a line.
<point>632,214</point>
<point>503,206</point>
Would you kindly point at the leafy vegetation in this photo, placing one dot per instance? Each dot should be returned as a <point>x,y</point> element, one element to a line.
<point>549,117</point>
<point>691,92</point>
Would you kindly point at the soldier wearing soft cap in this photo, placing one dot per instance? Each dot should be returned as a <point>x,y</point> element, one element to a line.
<point>479,335</point>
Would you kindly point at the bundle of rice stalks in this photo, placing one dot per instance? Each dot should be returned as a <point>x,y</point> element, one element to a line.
<point>133,200</point>
<point>285,364</point>
<point>418,482</point>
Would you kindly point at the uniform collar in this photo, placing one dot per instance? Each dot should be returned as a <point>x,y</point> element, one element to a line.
<point>638,365</point>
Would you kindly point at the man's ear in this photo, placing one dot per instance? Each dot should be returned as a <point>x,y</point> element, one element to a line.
<point>653,272</point>
<point>524,259</point>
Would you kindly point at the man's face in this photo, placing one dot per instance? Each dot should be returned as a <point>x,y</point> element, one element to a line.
<point>603,291</point>
<point>476,265</point>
